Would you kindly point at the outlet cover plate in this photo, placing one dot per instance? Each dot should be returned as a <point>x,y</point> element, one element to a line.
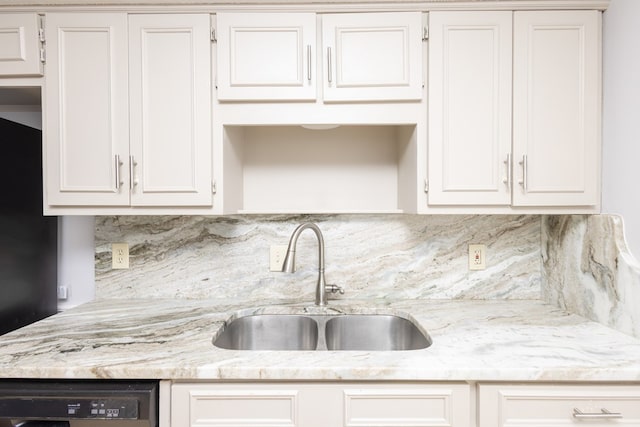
<point>276,257</point>
<point>477,257</point>
<point>119,256</point>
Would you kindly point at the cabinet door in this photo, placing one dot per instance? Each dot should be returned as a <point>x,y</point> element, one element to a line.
<point>20,44</point>
<point>372,56</point>
<point>469,108</point>
<point>86,127</point>
<point>321,405</point>
<point>423,405</point>
<point>557,108</point>
<point>253,405</point>
<point>540,405</point>
<point>266,56</point>
<point>170,109</point>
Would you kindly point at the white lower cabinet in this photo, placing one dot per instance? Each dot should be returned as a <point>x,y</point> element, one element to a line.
<point>403,404</point>
<point>549,405</point>
<point>321,404</point>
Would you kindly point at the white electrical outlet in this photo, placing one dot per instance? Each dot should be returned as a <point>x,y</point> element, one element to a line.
<point>276,257</point>
<point>119,255</point>
<point>477,254</point>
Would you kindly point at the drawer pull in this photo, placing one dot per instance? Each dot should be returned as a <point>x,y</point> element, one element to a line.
<point>604,413</point>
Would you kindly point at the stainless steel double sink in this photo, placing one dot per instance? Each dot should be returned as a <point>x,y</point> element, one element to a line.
<point>292,332</point>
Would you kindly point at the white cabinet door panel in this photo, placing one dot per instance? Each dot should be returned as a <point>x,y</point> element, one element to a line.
<point>557,108</point>
<point>266,56</point>
<point>20,44</point>
<point>311,404</point>
<point>86,110</point>
<point>372,56</point>
<point>170,122</point>
<point>409,406</point>
<point>554,405</point>
<point>469,107</point>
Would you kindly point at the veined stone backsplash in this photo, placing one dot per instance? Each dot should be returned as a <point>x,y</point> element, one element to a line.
<point>588,270</point>
<point>370,256</point>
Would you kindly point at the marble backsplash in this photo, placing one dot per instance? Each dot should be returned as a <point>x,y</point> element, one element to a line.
<point>588,270</point>
<point>370,256</point>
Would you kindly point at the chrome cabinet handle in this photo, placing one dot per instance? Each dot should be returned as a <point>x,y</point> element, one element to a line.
<point>603,414</point>
<point>329,64</point>
<point>118,164</point>
<point>309,62</point>
<point>507,179</point>
<point>132,173</point>
<point>523,181</point>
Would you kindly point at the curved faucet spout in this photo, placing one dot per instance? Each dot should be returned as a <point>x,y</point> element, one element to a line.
<point>290,259</point>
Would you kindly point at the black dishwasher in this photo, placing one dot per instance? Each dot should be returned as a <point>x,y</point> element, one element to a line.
<point>78,403</point>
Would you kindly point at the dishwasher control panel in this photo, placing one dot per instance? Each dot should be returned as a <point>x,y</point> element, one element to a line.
<point>133,401</point>
<point>64,408</point>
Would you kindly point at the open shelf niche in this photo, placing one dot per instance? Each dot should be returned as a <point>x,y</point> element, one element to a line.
<point>346,169</point>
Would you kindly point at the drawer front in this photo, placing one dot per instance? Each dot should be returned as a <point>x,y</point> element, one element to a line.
<point>558,405</point>
<point>407,407</point>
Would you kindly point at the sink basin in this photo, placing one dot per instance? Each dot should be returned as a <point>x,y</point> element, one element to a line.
<point>269,332</point>
<point>373,333</point>
<point>370,332</point>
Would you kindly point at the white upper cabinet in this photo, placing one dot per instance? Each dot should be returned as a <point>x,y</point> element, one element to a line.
<point>469,108</point>
<point>542,151</point>
<point>86,126</point>
<point>372,56</point>
<point>275,56</point>
<point>556,118</point>
<point>128,115</point>
<point>510,122</point>
<point>170,110</point>
<point>20,44</point>
<point>266,56</point>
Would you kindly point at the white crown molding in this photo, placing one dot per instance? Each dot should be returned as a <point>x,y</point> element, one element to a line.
<point>296,5</point>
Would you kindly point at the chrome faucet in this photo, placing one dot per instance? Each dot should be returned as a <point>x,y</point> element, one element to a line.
<point>289,264</point>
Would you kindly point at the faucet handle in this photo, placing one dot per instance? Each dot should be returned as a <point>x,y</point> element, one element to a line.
<point>334,288</point>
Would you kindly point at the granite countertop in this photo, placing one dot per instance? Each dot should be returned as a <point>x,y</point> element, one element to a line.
<point>171,339</point>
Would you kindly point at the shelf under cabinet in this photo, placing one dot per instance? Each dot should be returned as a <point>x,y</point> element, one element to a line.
<point>355,168</point>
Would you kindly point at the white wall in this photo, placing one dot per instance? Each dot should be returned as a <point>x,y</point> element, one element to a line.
<point>621,117</point>
<point>28,118</point>
<point>76,250</point>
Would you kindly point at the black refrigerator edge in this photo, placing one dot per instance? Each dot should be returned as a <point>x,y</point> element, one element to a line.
<point>28,240</point>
